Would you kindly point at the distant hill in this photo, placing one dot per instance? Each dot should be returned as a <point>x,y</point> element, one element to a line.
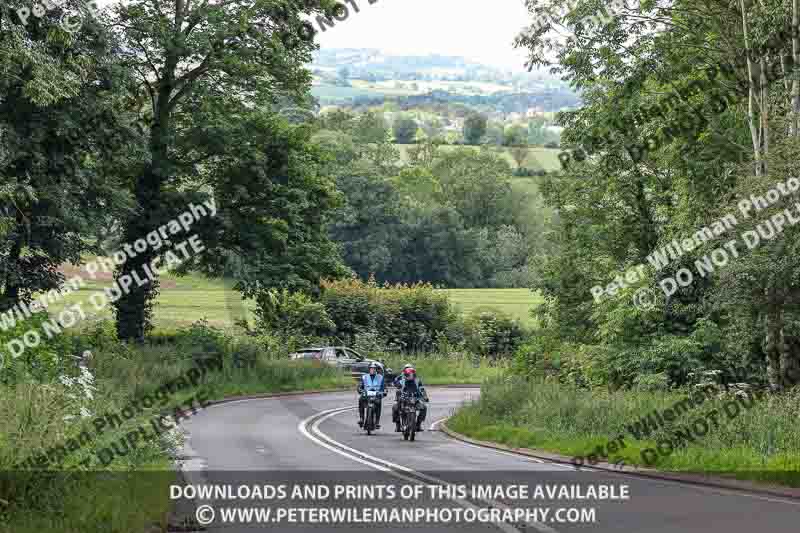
<point>375,59</point>
<point>375,65</point>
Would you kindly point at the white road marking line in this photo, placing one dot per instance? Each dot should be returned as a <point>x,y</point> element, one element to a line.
<point>393,468</point>
<point>433,426</point>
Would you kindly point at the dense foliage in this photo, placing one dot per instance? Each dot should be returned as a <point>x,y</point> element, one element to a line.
<point>454,217</point>
<point>690,108</point>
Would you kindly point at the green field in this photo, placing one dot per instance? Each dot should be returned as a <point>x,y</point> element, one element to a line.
<point>515,302</point>
<point>188,299</point>
<point>538,158</point>
<point>334,94</point>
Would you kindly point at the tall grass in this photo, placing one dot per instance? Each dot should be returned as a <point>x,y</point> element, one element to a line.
<point>760,443</point>
<point>445,369</point>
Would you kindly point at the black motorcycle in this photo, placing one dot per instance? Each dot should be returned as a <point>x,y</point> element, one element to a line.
<point>409,412</point>
<point>371,412</point>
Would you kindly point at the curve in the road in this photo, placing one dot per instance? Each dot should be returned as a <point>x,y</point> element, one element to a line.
<point>312,435</point>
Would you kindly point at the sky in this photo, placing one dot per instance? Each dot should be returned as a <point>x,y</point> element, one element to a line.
<point>481,30</point>
<point>476,29</point>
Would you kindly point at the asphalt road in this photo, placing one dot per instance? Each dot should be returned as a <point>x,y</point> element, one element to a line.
<point>314,440</point>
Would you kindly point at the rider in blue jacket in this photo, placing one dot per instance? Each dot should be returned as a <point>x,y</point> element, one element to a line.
<point>408,382</point>
<point>371,381</point>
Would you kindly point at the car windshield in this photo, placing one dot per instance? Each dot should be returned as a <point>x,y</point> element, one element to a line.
<point>309,354</point>
<point>355,355</point>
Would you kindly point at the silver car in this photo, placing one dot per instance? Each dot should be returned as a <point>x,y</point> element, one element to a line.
<point>345,358</point>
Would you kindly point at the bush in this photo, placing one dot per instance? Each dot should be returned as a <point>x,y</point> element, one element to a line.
<point>410,317</point>
<point>492,332</point>
<point>41,363</point>
<point>542,355</point>
<point>292,313</point>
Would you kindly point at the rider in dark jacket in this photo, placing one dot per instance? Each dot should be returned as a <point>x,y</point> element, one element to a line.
<point>371,381</point>
<point>409,383</point>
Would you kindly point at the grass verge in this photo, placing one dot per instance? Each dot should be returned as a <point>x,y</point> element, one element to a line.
<point>761,443</point>
<point>438,369</point>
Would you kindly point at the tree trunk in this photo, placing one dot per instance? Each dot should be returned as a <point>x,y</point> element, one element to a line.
<point>134,309</point>
<point>771,350</point>
<point>10,296</point>
<point>775,345</point>
<point>795,106</point>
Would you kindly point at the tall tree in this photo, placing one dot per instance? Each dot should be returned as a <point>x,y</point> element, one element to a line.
<point>474,128</point>
<point>405,130</point>
<point>188,53</point>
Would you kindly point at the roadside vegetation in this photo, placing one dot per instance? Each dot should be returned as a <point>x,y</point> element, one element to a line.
<point>448,368</point>
<point>759,444</point>
<point>45,400</point>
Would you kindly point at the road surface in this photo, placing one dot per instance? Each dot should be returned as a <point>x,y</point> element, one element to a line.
<point>314,440</point>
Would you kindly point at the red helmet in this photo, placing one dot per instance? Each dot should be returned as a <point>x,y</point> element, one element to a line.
<point>409,371</point>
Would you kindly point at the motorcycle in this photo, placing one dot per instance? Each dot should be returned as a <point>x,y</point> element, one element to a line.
<point>371,414</point>
<point>409,412</point>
